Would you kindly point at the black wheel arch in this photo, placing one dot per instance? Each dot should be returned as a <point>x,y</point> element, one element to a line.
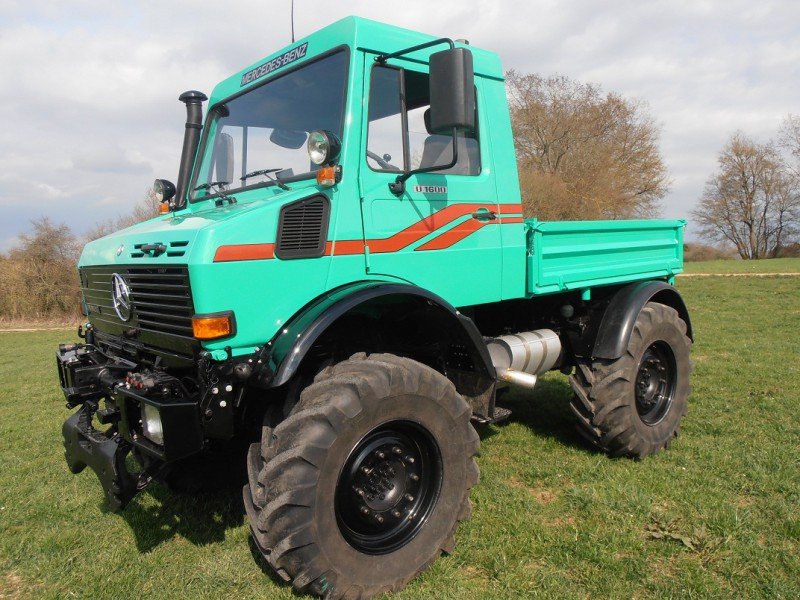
<point>619,317</point>
<point>475,377</point>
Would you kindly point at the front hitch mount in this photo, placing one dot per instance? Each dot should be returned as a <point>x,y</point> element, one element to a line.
<point>105,453</point>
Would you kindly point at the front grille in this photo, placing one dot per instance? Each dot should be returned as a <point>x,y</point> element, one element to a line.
<point>161,299</point>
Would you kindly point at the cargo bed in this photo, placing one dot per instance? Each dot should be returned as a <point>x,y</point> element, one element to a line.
<point>579,255</point>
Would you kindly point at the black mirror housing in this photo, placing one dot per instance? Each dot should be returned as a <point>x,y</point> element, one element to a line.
<point>452,91</point>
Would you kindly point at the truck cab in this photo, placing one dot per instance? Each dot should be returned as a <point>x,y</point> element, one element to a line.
<point>343,277</point>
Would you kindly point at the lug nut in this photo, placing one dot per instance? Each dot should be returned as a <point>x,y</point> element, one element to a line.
<point>409,497</point>
<point>396,514</point>
<point>359,491</point>
<point>364,510</point>
<point>410,459</point>
<point>397,450</point>
<point>380,454</point>
<point>414,477</point>
<point>365,470</point>
<point>379,518</point>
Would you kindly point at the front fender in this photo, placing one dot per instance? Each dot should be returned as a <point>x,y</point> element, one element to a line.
<point>294,341</point>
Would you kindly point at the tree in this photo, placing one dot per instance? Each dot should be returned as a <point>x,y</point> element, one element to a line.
<point>582,154</point>
<point>789,142</point>
<point>753,201</point>
<point>38,277</point>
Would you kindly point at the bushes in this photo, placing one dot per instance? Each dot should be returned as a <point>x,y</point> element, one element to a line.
<point>693,252</point>
<point>38,279</point>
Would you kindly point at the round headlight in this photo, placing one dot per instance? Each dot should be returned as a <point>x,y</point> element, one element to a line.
<point>163,190</point>
<point>323,147</point>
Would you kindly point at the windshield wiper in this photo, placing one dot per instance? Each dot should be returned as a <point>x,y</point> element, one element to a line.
<point>219,188</point>
<point>210,184</point>
<point>266,173</point>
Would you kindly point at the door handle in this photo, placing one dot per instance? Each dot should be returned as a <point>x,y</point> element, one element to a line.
<point>484,215</point>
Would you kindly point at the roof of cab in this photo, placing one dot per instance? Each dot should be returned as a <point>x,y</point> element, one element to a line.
<point>356,32</point>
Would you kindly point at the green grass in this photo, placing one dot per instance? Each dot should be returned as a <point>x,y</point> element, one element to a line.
<point>771,265</point>
<point>718,515</point>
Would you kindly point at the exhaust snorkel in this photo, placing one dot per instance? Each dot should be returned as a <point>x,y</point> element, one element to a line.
<point>194,123</point>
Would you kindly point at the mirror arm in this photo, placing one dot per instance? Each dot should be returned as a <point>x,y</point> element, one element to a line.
<point>398,186</point>
<point>384,57</point>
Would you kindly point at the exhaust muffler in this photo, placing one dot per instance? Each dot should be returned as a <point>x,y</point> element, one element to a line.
<point>520,358</point>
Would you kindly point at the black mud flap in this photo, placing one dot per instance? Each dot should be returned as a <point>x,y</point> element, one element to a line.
<point>104,453</point>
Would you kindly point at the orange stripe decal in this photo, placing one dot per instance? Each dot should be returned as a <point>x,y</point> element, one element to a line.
<point>420,229</point>
<point>244,252</point>
<point>453,236</point>
<point>400,240</point>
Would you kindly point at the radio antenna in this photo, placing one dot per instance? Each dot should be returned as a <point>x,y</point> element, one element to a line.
<point>293,21</point>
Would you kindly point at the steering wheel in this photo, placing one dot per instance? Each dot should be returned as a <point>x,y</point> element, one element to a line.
<point>383,163</point>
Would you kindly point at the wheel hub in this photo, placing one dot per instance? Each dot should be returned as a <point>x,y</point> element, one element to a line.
<point>388,487</point>
<point>654,387</point>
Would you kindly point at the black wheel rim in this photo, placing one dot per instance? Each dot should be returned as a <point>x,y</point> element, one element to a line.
<point>388,487</point>
<point>655,383</point>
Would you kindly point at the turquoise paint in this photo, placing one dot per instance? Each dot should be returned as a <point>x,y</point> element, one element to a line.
<point>501,260</point>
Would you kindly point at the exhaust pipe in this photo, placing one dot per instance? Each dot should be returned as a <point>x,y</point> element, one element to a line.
<point>191,138</point>
<point>521,357</point>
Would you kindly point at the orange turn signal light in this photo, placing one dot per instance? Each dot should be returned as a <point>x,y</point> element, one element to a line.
<point>212,327</point>
<point>163,208</point>
<point>327,176</point>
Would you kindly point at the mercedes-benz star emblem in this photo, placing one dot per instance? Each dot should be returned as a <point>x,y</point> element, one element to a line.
<point>121,295</point>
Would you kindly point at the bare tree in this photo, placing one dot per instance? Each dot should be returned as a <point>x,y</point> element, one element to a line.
<point>752,201</point>
<point>583,154</point>
<point>789,142</point>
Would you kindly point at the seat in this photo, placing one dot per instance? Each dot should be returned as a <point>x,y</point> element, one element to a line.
<point>437,150</point>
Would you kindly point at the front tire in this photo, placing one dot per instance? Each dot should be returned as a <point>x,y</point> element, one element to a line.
<point>632,406</point>
<point>363,485</point>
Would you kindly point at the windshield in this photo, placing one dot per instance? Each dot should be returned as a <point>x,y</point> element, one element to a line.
<point>266,128</point>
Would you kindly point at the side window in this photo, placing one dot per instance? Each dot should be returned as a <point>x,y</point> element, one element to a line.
<point>385,134</point>
<point>416,147</point>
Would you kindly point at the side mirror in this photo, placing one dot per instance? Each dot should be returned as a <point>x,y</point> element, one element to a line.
<point>223,157</point>
<point>452,91</point>
<point>288,138</point>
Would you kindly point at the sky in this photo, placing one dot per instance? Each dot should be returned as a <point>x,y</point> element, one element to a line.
<point>89,88</point>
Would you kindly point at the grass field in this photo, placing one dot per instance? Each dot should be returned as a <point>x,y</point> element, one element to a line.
<point>773,265</point>
<point>718,515</point>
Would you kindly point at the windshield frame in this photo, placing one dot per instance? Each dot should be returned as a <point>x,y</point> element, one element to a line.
<point>211,114</point>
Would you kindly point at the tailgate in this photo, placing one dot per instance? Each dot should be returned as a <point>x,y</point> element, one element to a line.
<point>570,255</point>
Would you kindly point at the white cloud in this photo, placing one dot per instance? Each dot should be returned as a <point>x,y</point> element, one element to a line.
<point>90,88</point>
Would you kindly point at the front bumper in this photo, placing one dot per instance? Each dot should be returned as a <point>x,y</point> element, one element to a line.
<point>89,377</point>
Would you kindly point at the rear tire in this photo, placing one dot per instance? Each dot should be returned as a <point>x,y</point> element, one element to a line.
<point>632,406</point>
<point>363,485</point>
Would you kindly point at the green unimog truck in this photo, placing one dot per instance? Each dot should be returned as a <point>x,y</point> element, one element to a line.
<point>341,282</point>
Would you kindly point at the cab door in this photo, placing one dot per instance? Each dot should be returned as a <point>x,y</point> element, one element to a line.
<point>443,232</point>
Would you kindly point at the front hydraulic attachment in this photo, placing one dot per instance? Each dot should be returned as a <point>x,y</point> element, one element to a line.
<point>105,452</point>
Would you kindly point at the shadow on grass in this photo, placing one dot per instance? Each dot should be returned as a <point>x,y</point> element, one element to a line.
<point>205,517</point>
<point>202,518</point>
<point>203,501</point>
<point>544,410</point>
